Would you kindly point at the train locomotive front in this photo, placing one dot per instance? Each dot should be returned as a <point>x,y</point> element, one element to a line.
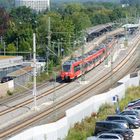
<point>67,73</point>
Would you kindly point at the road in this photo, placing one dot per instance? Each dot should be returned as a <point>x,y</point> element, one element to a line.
<point>136,134</point>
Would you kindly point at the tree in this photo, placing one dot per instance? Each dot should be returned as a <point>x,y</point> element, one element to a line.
<point>80,20</point>
<point>23,14</point>
<point>73,7</point>
<point>4,21</point>
<point>11,48</point>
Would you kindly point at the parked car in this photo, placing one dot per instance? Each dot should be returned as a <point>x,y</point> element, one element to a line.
<point>133,104</point>
<point>130,112</point>
<point>136,108</point>
<point>122,122</point>
<point>6,79</point>
<point>126,133</point>
<point>109,136</point>
<point>104,126</point>
<point>132,123</point>
<point>134,118</point>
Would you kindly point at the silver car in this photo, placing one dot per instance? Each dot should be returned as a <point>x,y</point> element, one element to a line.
<point>106,136</point>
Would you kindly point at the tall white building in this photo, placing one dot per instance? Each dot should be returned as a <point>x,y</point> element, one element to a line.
<point>37,5</point>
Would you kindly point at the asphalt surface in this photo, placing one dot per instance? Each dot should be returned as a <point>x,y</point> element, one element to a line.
<point>136,134</point>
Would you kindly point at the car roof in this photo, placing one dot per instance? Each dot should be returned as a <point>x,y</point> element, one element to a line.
<point>119,130</point>
<point>110,134</point>
<point>115,116</point>
<point>107,133</point>
<point>106,122</point>
<point>134,100</point>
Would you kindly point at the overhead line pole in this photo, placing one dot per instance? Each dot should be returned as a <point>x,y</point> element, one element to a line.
<point>49,36</point>
<point>83,59</point>
<point>34,70</point>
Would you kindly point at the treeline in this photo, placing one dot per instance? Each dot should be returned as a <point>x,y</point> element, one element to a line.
<point>67,22</point>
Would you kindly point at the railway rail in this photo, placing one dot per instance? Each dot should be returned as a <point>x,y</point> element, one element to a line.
<point>24,103</point>
<point>65,102</point>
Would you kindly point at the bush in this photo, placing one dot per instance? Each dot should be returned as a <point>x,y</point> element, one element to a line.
<point>9,93</point>
<point>76,135</point>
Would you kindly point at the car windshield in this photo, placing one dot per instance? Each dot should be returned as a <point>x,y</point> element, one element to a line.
<point>66,68</point>
<point>129,119</point>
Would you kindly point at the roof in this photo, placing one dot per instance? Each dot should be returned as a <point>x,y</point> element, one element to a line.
<point>98,28</point>
<point>20,72</point>
<point>10,61</point>
<point>130,25</point>
<point>6,57</point>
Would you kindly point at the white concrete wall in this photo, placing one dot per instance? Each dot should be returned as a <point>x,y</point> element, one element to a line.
<point>4,87</point>
<point>59,129</point>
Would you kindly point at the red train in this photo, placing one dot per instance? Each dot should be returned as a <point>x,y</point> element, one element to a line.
<point>74,68</point>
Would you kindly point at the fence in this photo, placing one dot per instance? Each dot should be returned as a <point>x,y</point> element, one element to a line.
<point>59,129</point>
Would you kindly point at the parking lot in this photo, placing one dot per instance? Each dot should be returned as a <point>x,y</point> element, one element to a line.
<point>136,134</point>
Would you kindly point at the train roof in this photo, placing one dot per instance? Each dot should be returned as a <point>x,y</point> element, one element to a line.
<point>76,59</point>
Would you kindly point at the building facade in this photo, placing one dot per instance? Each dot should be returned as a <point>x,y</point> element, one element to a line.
<point>37,5</point>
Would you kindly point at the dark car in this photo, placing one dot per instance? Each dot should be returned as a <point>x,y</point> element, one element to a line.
<point>104,126</point>
<point>132,123</point>
<point>122,122</point>
<point>126,133</point>
<point>130,112</point>
<point>6,79</point>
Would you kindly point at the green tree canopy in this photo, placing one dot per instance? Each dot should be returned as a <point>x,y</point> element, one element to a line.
<point>11,48</point>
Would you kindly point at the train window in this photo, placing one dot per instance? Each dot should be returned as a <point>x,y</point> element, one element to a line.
<point>86,65</point>
<point>93,61</point>
<point>76,68</point>
<point>96,59</point>
<point>66,68</point>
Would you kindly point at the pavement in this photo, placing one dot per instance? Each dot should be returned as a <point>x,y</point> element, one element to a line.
<point>136,134</point>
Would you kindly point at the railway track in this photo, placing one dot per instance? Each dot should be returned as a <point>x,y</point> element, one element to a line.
<point>25,93</point>
<point>65,102</point>
<point>24,103</point>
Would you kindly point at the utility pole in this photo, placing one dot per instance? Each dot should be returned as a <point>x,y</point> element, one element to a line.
<point>49,36</point>
<point>34,69</point>
<point>4,47</point>
<point>111,65</point>
<point>54,95</point>
<point>83,59</point>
